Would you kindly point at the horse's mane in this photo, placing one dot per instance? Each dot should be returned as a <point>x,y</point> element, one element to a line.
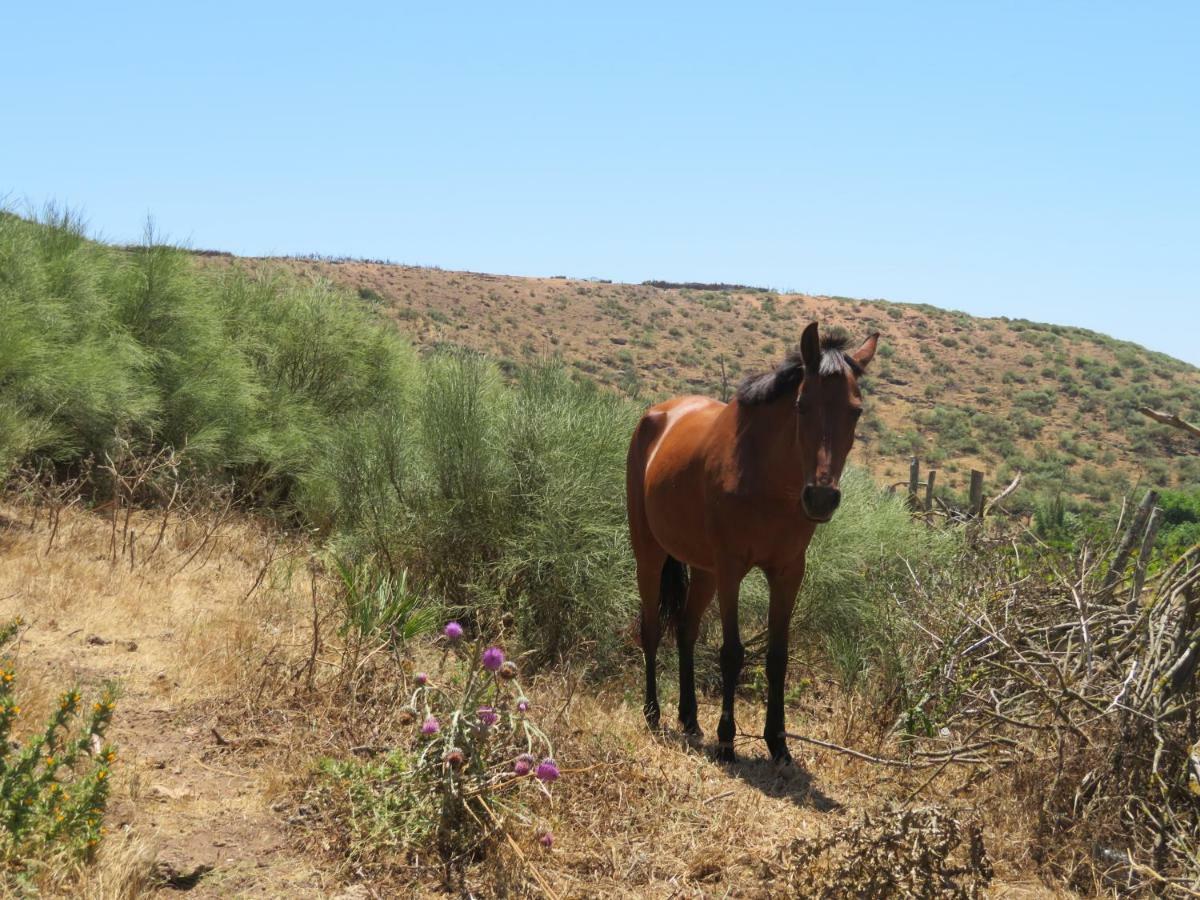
<point>786,377</point>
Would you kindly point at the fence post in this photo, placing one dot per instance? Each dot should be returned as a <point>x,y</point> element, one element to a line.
<point>929,479</point>
<point>976,500</point>
<point>914,481</point>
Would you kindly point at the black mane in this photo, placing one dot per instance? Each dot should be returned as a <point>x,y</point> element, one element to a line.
<point>788,375</point>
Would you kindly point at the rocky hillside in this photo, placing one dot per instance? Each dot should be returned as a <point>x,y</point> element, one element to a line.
<point>1058,403</point>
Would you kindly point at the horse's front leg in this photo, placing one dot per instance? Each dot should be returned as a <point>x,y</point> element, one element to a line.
<point>783,586</point>
<point>732,656</point>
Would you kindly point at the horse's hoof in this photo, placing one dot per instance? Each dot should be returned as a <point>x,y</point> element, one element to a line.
<point>725,753</point>
<point>691,729</point>
<point>782,758</point>
<point>652,719</point>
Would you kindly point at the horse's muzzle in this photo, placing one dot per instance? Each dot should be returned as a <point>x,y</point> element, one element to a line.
<point>820,502</point>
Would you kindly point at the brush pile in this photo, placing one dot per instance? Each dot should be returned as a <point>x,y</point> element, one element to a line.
<point>1080,684</point>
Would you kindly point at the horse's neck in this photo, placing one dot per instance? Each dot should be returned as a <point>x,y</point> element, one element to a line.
<point>769,449</point>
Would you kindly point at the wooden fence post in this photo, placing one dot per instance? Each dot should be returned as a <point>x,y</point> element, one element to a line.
<point>914,482</point>
<point>976,500</point>
<point>929,479</point>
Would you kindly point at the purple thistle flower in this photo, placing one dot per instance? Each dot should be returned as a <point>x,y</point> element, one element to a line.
<point>547,839</point>
<point>523,704</point>
<point>422,678</point>
<point>487,716</point>
<point>523,764</point>
<point>493,659</point>
<point>453,631</point>
<point>430,726</point>
<point>547,771</point>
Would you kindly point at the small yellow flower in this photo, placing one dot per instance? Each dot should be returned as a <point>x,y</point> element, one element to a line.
<point>49,760</point>
<point>101,775</point>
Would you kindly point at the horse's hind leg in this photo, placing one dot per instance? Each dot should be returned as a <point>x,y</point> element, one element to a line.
<point>650,557</point>
<point>700,593</point>
<point>650,561</point>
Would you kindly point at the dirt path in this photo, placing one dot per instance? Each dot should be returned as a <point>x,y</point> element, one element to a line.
<point>190,807</point>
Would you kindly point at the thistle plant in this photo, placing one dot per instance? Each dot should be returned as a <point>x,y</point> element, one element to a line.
<point>472,768</point>
<point>54,784</point>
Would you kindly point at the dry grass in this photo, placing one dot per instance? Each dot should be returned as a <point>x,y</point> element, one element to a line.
<point>178,642</point>
<point>225,706</point>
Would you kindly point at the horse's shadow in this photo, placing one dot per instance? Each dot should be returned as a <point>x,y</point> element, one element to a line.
<point>788,782</point>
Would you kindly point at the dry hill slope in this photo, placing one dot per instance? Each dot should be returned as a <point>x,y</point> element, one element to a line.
<point>1058,403</point>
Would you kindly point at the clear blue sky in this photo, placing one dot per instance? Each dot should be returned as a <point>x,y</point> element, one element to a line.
<point>1037,160</point>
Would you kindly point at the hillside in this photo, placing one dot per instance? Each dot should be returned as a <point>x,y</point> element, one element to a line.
<point>1058,403</point>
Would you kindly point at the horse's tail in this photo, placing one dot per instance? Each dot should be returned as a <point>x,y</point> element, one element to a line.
<point>672,594</point>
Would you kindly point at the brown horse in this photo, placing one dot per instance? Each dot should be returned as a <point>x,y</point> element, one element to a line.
<point>722,488</point>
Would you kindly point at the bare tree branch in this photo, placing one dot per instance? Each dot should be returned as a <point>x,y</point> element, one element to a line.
<point>1169,419</point>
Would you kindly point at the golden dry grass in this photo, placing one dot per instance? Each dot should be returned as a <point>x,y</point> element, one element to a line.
<point>219,723</point>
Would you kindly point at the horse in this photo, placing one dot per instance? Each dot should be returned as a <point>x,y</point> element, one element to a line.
<point>720,488</point>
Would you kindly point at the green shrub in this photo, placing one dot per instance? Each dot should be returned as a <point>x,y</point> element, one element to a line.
<point>1181,520</point>
<point>377,605</point>
<point>246,375</point>
<point>54,784</point>
<point>855,564</point>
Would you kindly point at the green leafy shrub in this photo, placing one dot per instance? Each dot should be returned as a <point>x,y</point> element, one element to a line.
<point>1181,520</point>
<point>245,375</point>
<point>54,784</point>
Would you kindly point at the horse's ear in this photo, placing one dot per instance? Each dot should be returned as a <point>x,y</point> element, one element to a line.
<point>864,354</point>
<point>810,348</point>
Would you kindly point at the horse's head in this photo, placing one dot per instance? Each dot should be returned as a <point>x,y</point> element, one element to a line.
<point>828,405</point>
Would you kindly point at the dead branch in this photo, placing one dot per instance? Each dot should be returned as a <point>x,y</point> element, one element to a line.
<point>1171,419</point>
